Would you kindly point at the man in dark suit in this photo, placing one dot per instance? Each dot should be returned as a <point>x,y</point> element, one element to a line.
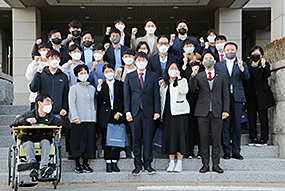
<point>113,54</point>
<point>211,108</point>
<point>220,42</point>
<point>236,71</point>
<point>176,42</point>
<point>125,38</point>
<point>87,41</point>
<point>142,107</point>
<point>160,61</point>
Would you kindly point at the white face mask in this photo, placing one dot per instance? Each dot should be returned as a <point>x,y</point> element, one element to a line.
<point>97,56</point>
<point>163,49</point>
<point>43,54</point>
<point>211,39</point>
<point>128,61</point>
<point>54,63</point>
<point>110,75</point>
<point>83,77</point>
<point>150,30</point>
<point>220,47</point>
<point>47,108</point>
<point>189,50</point>
<point>120,27</point>
<point>172,73</point>
<point>76,56</point>
<point>141,65</point>
<point>145,51</point>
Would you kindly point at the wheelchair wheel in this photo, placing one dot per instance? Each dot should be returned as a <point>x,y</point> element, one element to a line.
<point>13,167</point>
<point>9,166</point>
<point>58,163</point>
<point>16,184</point>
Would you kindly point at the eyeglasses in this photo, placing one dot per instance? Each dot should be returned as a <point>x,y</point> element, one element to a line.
<point>48,101</point>
<point>161,43</point>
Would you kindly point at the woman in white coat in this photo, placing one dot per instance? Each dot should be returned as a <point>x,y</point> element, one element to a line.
<point>174,110</point>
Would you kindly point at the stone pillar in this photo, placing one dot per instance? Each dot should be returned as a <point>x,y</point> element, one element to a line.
<point>277,19</point>
<point>262,37</point>
<point>228,22</point>
<point>26,24</point>
<point>1,51</point>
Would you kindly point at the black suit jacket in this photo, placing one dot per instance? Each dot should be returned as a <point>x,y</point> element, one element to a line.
<point>219,95</point>
<point>154,63</point>
<point>148,95</point>
<point>105,114</point>
<point>127,41</point>
<point>110,55</point>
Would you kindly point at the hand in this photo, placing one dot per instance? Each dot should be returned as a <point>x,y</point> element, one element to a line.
<point>172,37</point>
<point>40,69</point>
<point>108,29</point>
<point>201,39</point>
<point>178,73</point>
<point>129,118</point>
<point>62,112</point>
<point>117,116</point>
<point>160,82</point>
<point>119,70</point>
<point>31,120</point>
<point>76,121</point>
<point>240,64</point>
<point>39,41</point>
<point>100,82</point>
<point>134,31</point>
<point>95,63</point>
<point>71,43</point>
<point>225,115</point>
<point>156,116</point>
<point>37,58</point>
<point>194,69</point>
<point>69,63</point>
<point>207,44</point>
<point>263,62</point>
<point>106,45</point>
<point>69,37</point>
<point>185,59</point>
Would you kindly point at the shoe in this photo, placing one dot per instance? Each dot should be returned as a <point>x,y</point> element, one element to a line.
<point>34,174</point>
<point>86,168</point>
<point>205,168</point>
<point>69,157</point>
<point>115,167</point>
<point>190,157</point>
<point>109,167</point>
<point>227,156</point>
<point>171,167</point>
<point>237,156</point>
<point>217,168</point>
<point>150,170</point>
<point>253,142</point>
<point>136,171</point>
<point>261,143</point>
<point>78,169</point>
<point>132,153</point>
<point>101,154</point>
<point>199,157</point>
<point>178,167</point>
<point>46,172</point>
<point>123,155</point>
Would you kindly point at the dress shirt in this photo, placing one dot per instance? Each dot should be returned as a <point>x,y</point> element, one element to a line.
<point>58,49</point>
<point>122,41</point>
<point>118,57</point>
<point>142,75</point>
<point>88,54</point>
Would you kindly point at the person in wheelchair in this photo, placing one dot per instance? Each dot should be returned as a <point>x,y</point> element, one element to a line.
<point>40,115</point>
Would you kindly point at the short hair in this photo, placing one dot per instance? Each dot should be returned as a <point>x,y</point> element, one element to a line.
<point>162,36</point>
<point>231,43</point>
<point>120,20</point>
<point>149,19</point>
<point>141,54</point>
<point>187,41</point>
<point>79,68</point>
<point>129,52</point>
<point>208,52</point>
<point>198,56</point>
<point>256,48</point>
<point>52,32</point>
<point>87,32</point>
<point>53,52</point>
<point>41,98</point>
<point>211,31</point>
<point>115,30</point>
<point>140,44</point>
<point>75,24</point>
<point>98,47</point>
<point>73,47</point>
<point>181,21</point>
<point>221,37</point>
<point>44,45</point>
<point>108,66</point>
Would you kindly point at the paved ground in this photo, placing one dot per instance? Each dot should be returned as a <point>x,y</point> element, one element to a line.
<point>193,186</point>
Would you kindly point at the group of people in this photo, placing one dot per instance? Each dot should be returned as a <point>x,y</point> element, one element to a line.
<point>195,91</point>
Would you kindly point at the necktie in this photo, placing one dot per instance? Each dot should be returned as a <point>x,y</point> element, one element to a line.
<point>222,57</point>
<point>141,81</point>
<point>210,76</point>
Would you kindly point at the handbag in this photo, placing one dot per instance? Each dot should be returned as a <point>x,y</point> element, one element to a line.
<point>157,140</point>
<point>116,135</point>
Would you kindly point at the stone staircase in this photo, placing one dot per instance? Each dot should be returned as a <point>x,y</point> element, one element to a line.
<point>260,164</point>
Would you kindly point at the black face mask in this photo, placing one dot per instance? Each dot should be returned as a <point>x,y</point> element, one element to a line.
<point>87,43</point>
<point>195,63</point>
<point>182,31</point>
<point>75,33</point>
<point>255,57</point>
<point>56,40</point>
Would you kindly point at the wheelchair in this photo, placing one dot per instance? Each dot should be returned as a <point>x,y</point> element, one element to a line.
<point>17,163</point>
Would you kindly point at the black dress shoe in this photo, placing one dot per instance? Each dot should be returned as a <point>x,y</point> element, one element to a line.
<point>227,156</point>
<point>217,168</point>
<point>136,171</point>
<point>115,167</point>
<point>150,170</point>
<point>109,167</point>
<point>205,168</point>
<point>237,156</point>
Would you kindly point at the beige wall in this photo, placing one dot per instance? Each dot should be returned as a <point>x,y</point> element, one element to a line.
<point>277,19</point>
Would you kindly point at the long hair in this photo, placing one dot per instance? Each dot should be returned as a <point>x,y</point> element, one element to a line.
<point>166,75</point>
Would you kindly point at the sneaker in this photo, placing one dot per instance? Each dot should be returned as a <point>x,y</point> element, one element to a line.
<point>133,156</point>
<point>199,157</point>
<point>78,169</point>
<point>171,167</point>
<point>178,167</point>
<point>190,157</point>
<point>123,155</point>
<point>253,142</point>
<point>46,172</point>
<point>34,174</point>
<point>101,154</point>
<point>86,168</point>
<point>261,143</point>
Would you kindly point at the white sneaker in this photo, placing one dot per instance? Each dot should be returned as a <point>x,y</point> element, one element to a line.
<point>133,156</point>
<point>171,167</point>
<point>178,167</point>
<point>190,157</point>
<point>123,155</point>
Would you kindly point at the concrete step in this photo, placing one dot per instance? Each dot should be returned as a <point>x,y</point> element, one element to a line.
<point>5,130</point>
<point>6,119</point>
<point>6,141</point>
<point>13,109</point>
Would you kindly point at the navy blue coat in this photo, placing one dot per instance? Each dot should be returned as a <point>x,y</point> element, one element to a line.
<point>176,47</point>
